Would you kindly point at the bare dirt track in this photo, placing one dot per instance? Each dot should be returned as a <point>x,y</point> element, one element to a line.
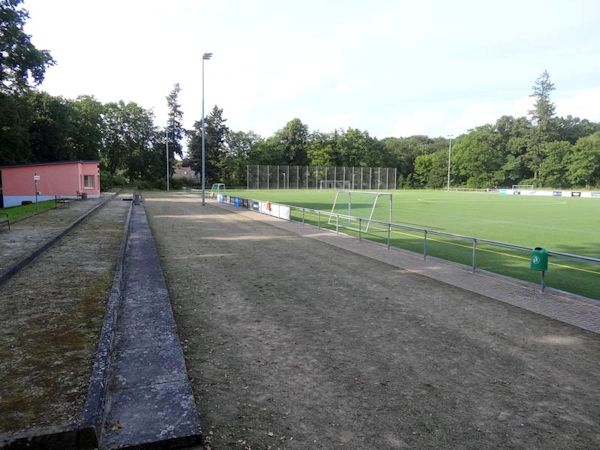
<point>291,343</point>
<point>50,318</point>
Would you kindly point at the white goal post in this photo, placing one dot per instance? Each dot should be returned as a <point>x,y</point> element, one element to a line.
<point>358,210</point>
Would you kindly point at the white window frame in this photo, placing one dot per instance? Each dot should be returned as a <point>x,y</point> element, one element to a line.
<point>92,177</point>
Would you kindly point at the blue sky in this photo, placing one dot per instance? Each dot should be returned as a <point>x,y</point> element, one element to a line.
<point>393,68</point>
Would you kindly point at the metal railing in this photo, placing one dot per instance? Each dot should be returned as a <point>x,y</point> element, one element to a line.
<point>382,232</point>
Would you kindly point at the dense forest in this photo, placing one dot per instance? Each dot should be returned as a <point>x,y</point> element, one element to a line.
<point>540,149</point>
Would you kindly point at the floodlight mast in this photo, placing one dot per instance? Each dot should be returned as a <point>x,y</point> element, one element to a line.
<point>205,57</point>
<point>449,155</point>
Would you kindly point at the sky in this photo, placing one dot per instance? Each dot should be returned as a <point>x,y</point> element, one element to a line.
<point>392,68</point>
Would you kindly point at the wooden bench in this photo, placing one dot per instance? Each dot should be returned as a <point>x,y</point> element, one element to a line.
<point>4,220</point>
<point>62,202</point>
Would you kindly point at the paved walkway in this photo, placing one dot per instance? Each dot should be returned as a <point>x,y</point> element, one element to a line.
<point>150,400</point>
<point>568,308</point>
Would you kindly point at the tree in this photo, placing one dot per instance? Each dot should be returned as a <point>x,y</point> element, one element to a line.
<point>215,148</point>
<point>553,169</point>
<point>478,158</point>
<point>51,128</point>
<point>584,162</point>
<point>21,64</point>
<point>15,119</point>
<point>543,108</point>
<point>128,141</point>
<point>239,145</point>
<point>542,119</point>
<point>174,130</point>
<point>87,127</point>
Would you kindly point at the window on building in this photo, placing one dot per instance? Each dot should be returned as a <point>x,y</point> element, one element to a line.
<point>88,181</point>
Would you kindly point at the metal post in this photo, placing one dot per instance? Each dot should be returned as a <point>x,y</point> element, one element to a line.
<point>258,175</point>
<point>344,177</point>
<point>319,219</point>
<point>389,233</point>
<point>302,216</point>
<point>360,228</point>
<point>277,176</point>
<point>395,178</point>
<point>361,178</point>
<point>425,244</point>
<point>247,177</point>
<point>35,186</point>
<point>370,178</point>
<point>167,153</point>
<point>268,176</point>
<point>205,56</point>
<point>297,177</point>
<point>449,155</point>
<point>352,187</point>
<point>337,224</point>
<point>543,283</point>
<point>474,257</point>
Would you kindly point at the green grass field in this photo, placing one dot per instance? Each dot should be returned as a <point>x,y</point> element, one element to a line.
<point>569,225</point>
<point>19,212</point>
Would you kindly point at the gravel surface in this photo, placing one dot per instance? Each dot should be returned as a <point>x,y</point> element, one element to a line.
<point>26,235</point>
<point>50,318</point>
<point>292,343</point>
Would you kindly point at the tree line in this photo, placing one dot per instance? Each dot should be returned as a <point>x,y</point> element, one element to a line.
<point>540,149</point>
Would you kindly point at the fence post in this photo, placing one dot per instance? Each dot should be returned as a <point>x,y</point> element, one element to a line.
<point>303,216</point>
<point>425,244</point>
<point>474,259</point>
<point>389,233</point>
<point>319,219</point>
<point>360,228</point>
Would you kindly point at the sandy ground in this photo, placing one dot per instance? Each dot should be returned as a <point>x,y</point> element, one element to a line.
<point>28,234</point>
<point>50,318</point>
<point>292,343</point>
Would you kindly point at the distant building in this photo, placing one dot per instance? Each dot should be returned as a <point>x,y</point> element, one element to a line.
<point>66,179</point>
<point>185,173</point>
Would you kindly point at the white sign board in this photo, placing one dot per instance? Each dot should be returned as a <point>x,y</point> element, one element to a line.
<point>36,178</point>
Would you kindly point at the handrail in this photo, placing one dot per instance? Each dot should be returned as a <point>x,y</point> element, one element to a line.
<point>427,232</point>
<point>430,231</point>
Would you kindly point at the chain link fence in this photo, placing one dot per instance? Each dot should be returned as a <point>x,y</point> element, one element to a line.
<point>319,177</point>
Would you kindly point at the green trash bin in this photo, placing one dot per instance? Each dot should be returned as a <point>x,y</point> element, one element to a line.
<point>539,259</point>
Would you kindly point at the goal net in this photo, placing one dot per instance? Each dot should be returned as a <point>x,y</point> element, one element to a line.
<point>334,184</point>
<point>360,210</point>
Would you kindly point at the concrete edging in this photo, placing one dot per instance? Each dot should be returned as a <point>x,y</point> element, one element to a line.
<point>93,410</point>
<point>15,267</point>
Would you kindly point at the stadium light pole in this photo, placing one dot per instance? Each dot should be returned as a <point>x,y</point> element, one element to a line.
<point>449,156</point>
<point>167,153</point>
<point>205,57</point>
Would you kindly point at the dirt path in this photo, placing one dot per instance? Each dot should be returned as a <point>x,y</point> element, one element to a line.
<point>50,318</point>
<point>26,235</point>
<point>291,343</point>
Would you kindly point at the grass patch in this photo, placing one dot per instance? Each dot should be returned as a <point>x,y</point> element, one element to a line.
<point>19,212</point>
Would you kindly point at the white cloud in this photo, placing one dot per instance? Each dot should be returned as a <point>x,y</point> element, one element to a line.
<point>584,104</point>
<point>420,122</point>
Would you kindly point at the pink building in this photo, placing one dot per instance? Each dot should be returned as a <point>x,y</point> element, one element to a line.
<point>67,179</point>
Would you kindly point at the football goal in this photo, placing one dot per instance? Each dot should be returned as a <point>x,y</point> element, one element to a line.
<point>334,184</point>
<point>360,210</point>
<point>523,187</point>
<point>217,188</point>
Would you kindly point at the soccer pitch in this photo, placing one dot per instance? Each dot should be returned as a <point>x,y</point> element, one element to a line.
<point>561,224</point>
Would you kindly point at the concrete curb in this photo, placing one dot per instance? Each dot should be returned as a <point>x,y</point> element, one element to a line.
<point>6,274</point>
<point>93,410</point>
<point>51,438</point>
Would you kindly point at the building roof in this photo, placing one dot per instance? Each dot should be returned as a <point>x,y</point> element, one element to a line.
<point>49,163</point>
